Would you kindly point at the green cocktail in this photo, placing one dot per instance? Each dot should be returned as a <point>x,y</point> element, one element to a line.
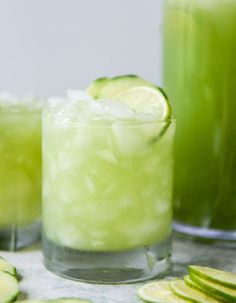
<point>200,78</point>
<point>107,191</point>
<point>20,174</point>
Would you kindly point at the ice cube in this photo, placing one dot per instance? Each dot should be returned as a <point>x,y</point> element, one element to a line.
<point>56,101</point>
<point>145,117</point>
<point>89,185</point>
<point>128,139</point>
<point>79,106</point>
<point>77,95</point>
<point>112,109</point>
<point>107,156</point>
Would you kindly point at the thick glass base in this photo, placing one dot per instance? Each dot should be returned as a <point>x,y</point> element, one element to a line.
<point>221,236</point>
<point>107,267</point>
<point>16,237</point>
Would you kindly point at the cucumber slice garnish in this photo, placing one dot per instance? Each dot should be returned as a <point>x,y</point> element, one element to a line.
<point>96,86</point>
<point>219,276</point>
<point>140,95</point>
<point>218,291</point>
<point>182,290</point>
<point>6,266</point>
<point>8,287</point>
<point>121,83</point>
<point>158,292</point>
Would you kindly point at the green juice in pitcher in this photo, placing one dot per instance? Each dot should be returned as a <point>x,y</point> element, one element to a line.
<point>200,78</point>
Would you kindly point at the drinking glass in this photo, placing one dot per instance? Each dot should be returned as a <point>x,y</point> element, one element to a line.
<point>107,198</point>
<point>20,175</point>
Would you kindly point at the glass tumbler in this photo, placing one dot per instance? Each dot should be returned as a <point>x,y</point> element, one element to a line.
<point>20,176</point>
<point>107,198</point>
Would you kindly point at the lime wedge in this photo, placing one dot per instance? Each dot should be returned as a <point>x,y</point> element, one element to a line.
<point>183,291</point>
<point>96,86</point>
<point>121,83</point>
<point>158,292</point>
<point>6,266</point>
<point>219,276</point>
<point>216,290</point>
<point>146,100</point>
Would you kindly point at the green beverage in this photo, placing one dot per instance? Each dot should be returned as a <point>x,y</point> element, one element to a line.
<point>200,78</point>
<point>107,190</point>
<point>20,174</point>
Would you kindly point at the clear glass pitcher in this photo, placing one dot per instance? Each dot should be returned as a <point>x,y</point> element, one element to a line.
<point>200,78</point>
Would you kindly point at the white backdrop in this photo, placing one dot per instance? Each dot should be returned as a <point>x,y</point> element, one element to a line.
<point>48,46</point>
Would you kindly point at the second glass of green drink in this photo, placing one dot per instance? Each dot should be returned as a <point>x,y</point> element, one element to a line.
<point>107,191</point>
<point>20,171</point>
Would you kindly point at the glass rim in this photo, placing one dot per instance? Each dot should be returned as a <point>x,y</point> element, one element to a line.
<point>23,111</point>
<point>106,122</point>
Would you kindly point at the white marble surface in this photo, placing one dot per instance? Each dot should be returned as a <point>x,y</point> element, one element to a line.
<point>38,283</point>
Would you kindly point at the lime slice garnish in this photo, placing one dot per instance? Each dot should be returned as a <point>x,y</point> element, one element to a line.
<point>140,95</point>
<point>219,276</point>
<point>146,100</point>
<point>158,292</point>
<point>216,290</point>
<point>183,291</point>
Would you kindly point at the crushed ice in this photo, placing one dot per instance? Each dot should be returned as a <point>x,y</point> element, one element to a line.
<point>79,106</point>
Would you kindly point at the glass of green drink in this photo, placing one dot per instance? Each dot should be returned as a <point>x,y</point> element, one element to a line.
<point>200,78</point>
<point>107,189</point>
<point>20,173</point>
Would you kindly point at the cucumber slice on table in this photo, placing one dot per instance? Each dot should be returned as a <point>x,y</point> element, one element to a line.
<point>61,300</point>
<point>6,266</point>
<point>8,287</point>
<point>218,291</point>
<point>194,285</point>
<point>96,86</point>
<point>218,276</point>
<point>183,291</point>
<point>158,292</point>
<point>121,83</point>
<point>70,300</point>
<point>188,281</point>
